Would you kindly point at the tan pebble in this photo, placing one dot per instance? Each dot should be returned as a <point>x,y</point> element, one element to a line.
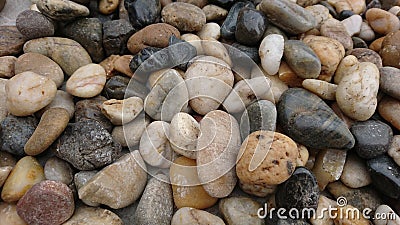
<point>186,187</point>
<point>210,30</point>
<point>120,112</point>
<point>340,5</point>
<point>389,109</point>
<point>87,81</point>
<point>395,10</point>
<point>376,45</point>
<point>390,51</point>
<point>9,215</point>
<point>345,216</point>
<point>381,21</point>
<point>358,6</point>
<point>108,65</point>
<point>355,172</point>
<point>29,92</point>
<point>366,32</point>
<point>214,13</point>
<point>191,216</point>
<point>62,9</point>
<point>121,64</point>
<point>328,166</point>
<point>277,86</point>
<point>321,88</point>
<point>155,77</point>
<point>195,41</point>
<point>3,99</point>
<point>320,12</point>
<point>183,135</point>
<point>391,217</point>
<point>323,215</point>
<point>347,65</point>
<point>240,210</point>
<point>303,155</point>
<point>186,17</point>
<point>333,28</point>
<point>51,125</point>
<point>108,6</point>
<point>4,172</point>
<point>198,3</point>
<point>288,76</point>
<point>24,175</point>
<point>7,69</point>
<point>394,149</point>
<point>129,134</point>
<point>91,215</point>
<point>212,47</point>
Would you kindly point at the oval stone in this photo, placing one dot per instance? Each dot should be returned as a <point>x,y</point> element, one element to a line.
<point>228,27</point>
<point>183,134</point>
<point>271,53</point>
<point>61,9</point>
<point>302,59</point>
<point>389,78</point>
<point>87,81</point>
<point>184,16</point>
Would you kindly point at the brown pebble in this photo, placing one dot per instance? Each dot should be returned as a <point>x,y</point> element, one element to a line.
<point>121,65</point>
<point>366,55</point>
<point>108,6</point>
<point>390,51</point>
<point>376,45</point>
<point>389,109</point>
<point>381,21</point>
<point>289,77</point>
<point>108,65</point>
<point>184,16</point>
<point>7,66</point>
<point>11,40</point>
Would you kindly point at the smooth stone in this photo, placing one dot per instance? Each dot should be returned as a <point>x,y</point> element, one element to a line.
<point>143,12</point>
<point>26,173</point>
<point>366,55</point>
<point>156,205</point>
<point>320,12</point>
<point>143,56</point>
<point>328,131</point>
<point>186,186</point>
<point>154,145</point>
<point>328,166</point>
<point>260,115</point>
<point>381,21</point>
<point>120,112</point>
<point>214,48</point>
<point>52,123</point>
<point>119,184</point>
<point>258,190</point>
<point>48,202</point>
<point>217,150</point>
<point>391,217</point>
<point>334,29</point>
<point>389,109</point>
<point>198,3</point>
<point>184,16</point>
<point>15,132</point>
<point>91,109</point>
<point>277,86</point>
<point>62,10</point>
<point>11,41</point>
<point>271,53</point>
<point>245,52</point>
<point>266,158</point>
<point>192,216</point>
<point>385,174</point>
<point>366,32</point>
<point>181,52</point>
<point>62,100</point>
<point>210,30</point>
<point>6,159</point>
<point>67,53</point>
<point>300,191</point>
<point>302,59</point>
<point>87,145</point>
<point>389,77</point>
<point>9,215</point>
<point>87,81</point>
<point>115,36</point>
<point>228,27</point>
<point>108,7</point>
<point>4,172</point>
<point>91,215</point>
<point>324,217</point>
<point>155,35</point>
<point>356,93</point>
<point>323,89</point>
<point>120,87</point>
<point>7,66</point>
<point>223,3</point>
<point>240,211</point>
<point>89,33</point>
<point>216,75</point>
<point>359,43</point>
<point>250,26</point>
<point>394,149</point>
<point>214,13</point>
<point>390,50</point>
<point>129,134</point>
<point>58,170</point>
<point>122,65</point>
<point>355,172</point>
<point>33,24</point>
<point>288,16</point>
<point>353,24</point>
<point>345,67</point>
<point>372,138</point>
<point>94,8</point>
<point>345,14</point>
<point>80,179</point>
<point>288,76</point>
<point>344,218</point>
<point>41,65</point>
<point>183,135</point>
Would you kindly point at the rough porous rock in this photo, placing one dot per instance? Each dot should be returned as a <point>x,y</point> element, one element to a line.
<point>87,81</point>
<point>191,216</point>
<point>184,16</point>
<point>143,12</point>
<point>33,24</point>
<point>47,203</point>
<point>115,36</point>
<point>87,145</point>
<point>61,9</point>
<point>240,211</point>
<point>302,59</point>
<point>91,215</point>
<point>11,41</point>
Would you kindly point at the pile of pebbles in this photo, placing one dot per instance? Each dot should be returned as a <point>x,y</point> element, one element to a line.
<point>199,111</point>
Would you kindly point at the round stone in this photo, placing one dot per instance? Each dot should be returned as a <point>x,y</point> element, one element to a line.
<point>183,135</point>
<point>87,81</point>
<point>389,108</point>
<point>120,112</point>
<point>385,174</point>
<point>214,13</point>
<point>366,55</point>
<point>58,170</point>
<point>228,27</point>
<point>33,24</point>
<point>271,53</point>
<point>108,7</point>
<point>389,77</point>
<point>334,29</point>
<point>184,16</point>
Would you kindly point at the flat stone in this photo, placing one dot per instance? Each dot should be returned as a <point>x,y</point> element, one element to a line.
<point>389,77</point>
<point>115,36</point>
<point>143,12</point>
<point>240,211</point>
<point>355,172</point>
<point>11,41</point>
<point>62,10</point>
<point>184,16</point>
<point>385,174</point>
<point>33,24</point>
<point>90,215</point>
<point>302,59</point>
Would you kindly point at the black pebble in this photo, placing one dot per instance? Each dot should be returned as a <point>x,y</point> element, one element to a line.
<point>385,174</point>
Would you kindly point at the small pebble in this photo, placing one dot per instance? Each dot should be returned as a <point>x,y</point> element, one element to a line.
<point>385,174</point>
<point>271,53</point>
<point>143,12</point>
<point>302,59</point>
<point>390,50</point>
<point>62,10</point>
<point>228,27</point>
<point>192,216</point>
<point>33,24</point>
<point>334,29</point>
<point>58,170</point>
<point>115,36</point>
<point>80,179</point>
<point>323,89</point>
<point>62,100</point>
<point>240,211</point>
<point>389,109</point>
<point>389,77</point>
<point>366,32</point>
<point>122,65</point>
<point>108,6</point>
<point>394,149</point>
<point>90,215</point>
<point>11,41</point>
<point>9,215</point>
<point>250,26</point>
<point>129,134</point>
<point>184,16</point>
<point>353,24</point>
<point>387,211</point>
<point>376,45</point>
<point>87,81</point>
<point>7,66</point>
<point>355,172</point>
<point>210,30</point>
<point>366,55</point>
<point>91,109</point>
<point>328,166</point>
<point>214,13</point>
<point>346,66</point>
<point>381,21</point>
<point>120,112</point>
<point>183,135</point>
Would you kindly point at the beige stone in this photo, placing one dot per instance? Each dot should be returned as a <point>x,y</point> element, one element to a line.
<point>328,166</point>
<point>191,216</point>
<point>120,112</point>
<point>183,135</point>
<point>355,172</point>
<point>323,89</point>
<point>7,66</point>
<point>108,6</point>
<point>87,81</point>
<point>9,215</point>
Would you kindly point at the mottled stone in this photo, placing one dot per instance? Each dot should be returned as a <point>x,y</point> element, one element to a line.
<point>260,115</point>
<point>143,12</point>
<point>366,55</point>
<point>62,9</point>
<point>7,66</point>
<point>302,59</point>
<point>328,166</point>
<point>90,215</point>
<point>250,27</point>
<point>11,41</point>
<point>389,77</point>
<point>191,216</point>
<point>390,51</point>
<point>214,13</point>
<point>115,36</point>
<point>33,24</point>
<point>355,172</point>
<point>240,211</point>
<point>9,215</point>
<point>91,109</point>
<point>58,170</point>
<point>381,21</point>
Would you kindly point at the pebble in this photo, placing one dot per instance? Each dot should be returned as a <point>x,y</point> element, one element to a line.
<point>11,41</point>
<point>359,43</point>
<point>390,50</point>
<point>302,59</point>
<point>33,24</point>
<point>353,24</point>
<point>250,26</point>
<point>67,53</point>
<point>255,166</point>
<point>394,149</point>
<point>346,67</point>
<point>381,21</point>
<point>217,150</point>
<point>15,132</point>
<point>288,76</point>
<point>355,172</point>
<point>214,13</point>
<point>129,134</point>
<point>300,191</point>
<point>154,145</point>
<point>372,138</point>
<point>288,16</point>
<point>155,35</point>
<point>120,112</point>
<point>62,100</point>
<point>320,12</point>
<point>168,97</point>
<point>3,99</point>
<point>213,71</point>
<point>156,204</point>
<point>366,32</point>
<point>241,56</point>
<point>344,216</point>
<point>186,188</point>
<point>26,173</point>
<point>184,16</point>
<point>52,123</point>
<point>332,131</point>
<point>271,53</point>
<point>80,179</point>
<point>107,7</point>
<point>48,202</point>
<point>7,66</point>
<point>119,184</point>
<point>366,55</point>
<point>143,12</point>
<point>192,216</point>
<point>214,48</point>
<point>89,33</point>
<point>323,89</point>
<point>122,65</point>
<point>210,30</point>
<point>91,109</point>
<point>115,36</point>
<point>386,210</point>
<point>240,211</point>
<point>389,77</point>
<point>183,135</point>
<point>228,27</point>
<point>376,45</point>
<point>58,170</point>
<point>260,115</point>
<point>91,215</point>
<point>108,65</point>
<point>9,215</point>
<point>62,10</point>
<point>385,174</point>
<point>118,87</point>
<point>277,86</point>
<point>334,29</point>
<point>395,10</point>
<point>41,65</point>
<point>324,217</point>
<point>328,166</point>
<point>87,145</point>
<point>87,81</point>
<point>389,109</point>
